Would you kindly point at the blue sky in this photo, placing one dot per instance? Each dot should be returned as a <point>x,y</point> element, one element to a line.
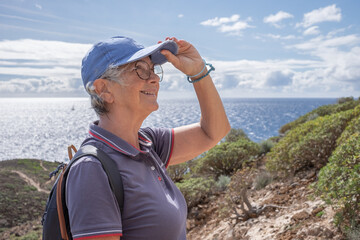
<point>259,48</point>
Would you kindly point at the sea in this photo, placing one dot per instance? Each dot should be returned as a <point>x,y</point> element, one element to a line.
<point>43,128</point>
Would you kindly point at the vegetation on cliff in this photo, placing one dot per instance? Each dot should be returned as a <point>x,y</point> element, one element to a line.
<point>326,140</point>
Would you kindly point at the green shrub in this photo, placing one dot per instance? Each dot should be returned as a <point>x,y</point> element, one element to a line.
<point>262,180</point>
<point>177,172</point>
<point>308,145</point>
<point>235,134</point>
<point>196,189</point>
<point>226,158</point>
<point>353,233</point>
<point>339,180</point>
<point>312,116</point>
<point>222,182</point>
<point>266,146</point>
<point>344,99</point>
<point>320,112</point>
<point>352,127</point>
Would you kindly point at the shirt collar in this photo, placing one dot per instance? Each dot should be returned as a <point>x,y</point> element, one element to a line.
<point>118,143</point>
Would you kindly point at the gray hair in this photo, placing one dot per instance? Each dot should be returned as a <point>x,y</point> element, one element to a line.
<point>112,74</point>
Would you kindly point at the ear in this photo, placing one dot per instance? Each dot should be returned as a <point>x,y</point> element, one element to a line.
<point>103,90</point>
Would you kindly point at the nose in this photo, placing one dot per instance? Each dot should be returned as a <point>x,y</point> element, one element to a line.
<point>154,77</point>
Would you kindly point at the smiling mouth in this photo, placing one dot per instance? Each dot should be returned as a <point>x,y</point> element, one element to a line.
<point>148,93</point>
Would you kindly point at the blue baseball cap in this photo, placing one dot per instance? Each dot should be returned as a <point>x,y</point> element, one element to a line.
<point>118,51</point>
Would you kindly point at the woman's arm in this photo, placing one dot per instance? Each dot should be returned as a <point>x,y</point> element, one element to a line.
<point>194,139</point>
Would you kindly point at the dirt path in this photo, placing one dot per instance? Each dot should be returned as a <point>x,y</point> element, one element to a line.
<point>41,165</point>
<point>30,181</point>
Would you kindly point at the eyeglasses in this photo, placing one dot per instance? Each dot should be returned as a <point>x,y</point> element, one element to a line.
<point>143,70</point>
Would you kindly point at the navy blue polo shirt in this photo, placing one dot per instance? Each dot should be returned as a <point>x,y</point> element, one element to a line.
<point>154,207</point>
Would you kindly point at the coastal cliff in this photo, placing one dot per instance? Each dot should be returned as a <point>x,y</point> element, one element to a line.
<point>302,184</point>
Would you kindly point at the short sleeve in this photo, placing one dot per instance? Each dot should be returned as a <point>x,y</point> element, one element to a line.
<point>92,206</point>
<point>163,142</point>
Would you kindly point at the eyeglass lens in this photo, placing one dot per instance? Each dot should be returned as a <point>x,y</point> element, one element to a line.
<point>143,70</point>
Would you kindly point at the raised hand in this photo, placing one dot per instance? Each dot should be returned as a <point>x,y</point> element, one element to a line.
<point>188,59</point>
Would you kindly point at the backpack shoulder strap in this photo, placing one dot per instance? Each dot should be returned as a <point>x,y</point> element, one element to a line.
<point>110,169</point>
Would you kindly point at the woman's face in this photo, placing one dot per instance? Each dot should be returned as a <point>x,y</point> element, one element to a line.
<point>135,93</point>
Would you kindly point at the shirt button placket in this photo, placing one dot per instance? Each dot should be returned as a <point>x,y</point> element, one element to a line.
<point>153,168</point>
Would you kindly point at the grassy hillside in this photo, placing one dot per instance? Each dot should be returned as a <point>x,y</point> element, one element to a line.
<point>21,202</point>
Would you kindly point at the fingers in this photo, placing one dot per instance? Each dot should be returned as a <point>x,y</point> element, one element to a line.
<point>169,56</point>
<point>171,38</point>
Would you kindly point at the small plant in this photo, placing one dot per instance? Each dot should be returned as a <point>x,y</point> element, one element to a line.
<point>236,198</point>
<point>262,180</point>
<point>353,233</point>
<point>223,182</point>
<point>319,214</point>
<point>266,146</point>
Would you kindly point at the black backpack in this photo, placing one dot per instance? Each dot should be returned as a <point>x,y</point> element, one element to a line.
<point>56,226</point>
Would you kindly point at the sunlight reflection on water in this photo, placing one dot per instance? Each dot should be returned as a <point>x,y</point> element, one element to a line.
<point>43,128</point>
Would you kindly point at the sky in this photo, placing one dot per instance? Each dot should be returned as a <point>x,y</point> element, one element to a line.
<point>260,49</point>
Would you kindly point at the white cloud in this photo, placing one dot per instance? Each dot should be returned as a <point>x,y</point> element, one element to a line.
<point>35,66</point>
<point>231,25</point>
<point>53,68</point>
<point>279,78</point>
<point>275,19</point>
<point>314,30</point>
<point>333,72</point>
<point>214,22</point>
<point>277,36</point>
<point>38,6</point>
<point>327,14</point>
<point>180,15</point>
<point>322,43</point>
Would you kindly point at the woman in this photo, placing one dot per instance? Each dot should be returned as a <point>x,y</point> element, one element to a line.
<point>122,79</point>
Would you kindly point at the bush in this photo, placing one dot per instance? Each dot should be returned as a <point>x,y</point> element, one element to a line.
<point>308,145</point>
<point>353,127</point>
<point>266,146</point>
<point>235,134</point>
<point>226,158</point>
<point>339,180</point>
<point>196,190</point>
<point>344,99</point>
<point>262,180</point>
<point>320,112</point>
<point>222,182</point>
<point>177,172</point>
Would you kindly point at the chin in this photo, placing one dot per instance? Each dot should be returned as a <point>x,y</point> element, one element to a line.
<point>152,107</point>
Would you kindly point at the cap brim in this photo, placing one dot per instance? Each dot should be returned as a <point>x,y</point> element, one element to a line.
<point>154,52</point>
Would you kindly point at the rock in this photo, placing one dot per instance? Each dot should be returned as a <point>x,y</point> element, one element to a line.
<point>240,231</point>
<point>229,235</point>
<point>300,216</point>
<point>316,231</point>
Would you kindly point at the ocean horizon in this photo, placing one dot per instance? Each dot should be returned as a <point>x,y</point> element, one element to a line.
<point>42,128</point>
